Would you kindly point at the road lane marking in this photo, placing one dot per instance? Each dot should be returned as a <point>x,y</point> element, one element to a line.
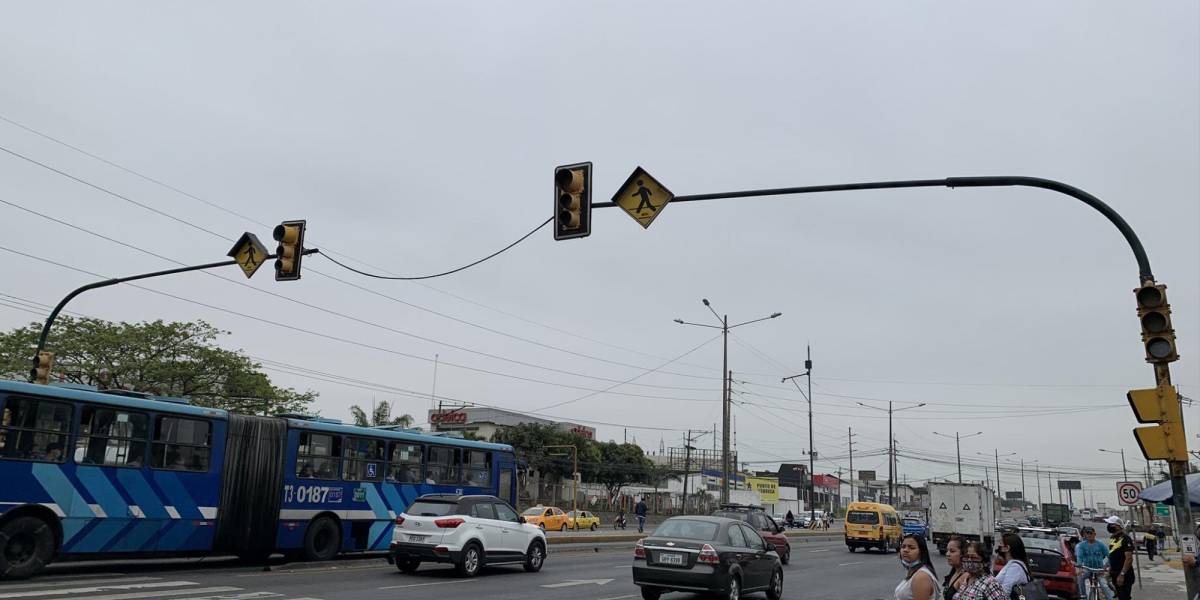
<point>574,582</point>
<point>59,582</point>
<point>413,585</point>
<point>164,594</point>
<point>850,563</point>
<point>621,597</point>
<point>825,550</point>
<point>98,588</point>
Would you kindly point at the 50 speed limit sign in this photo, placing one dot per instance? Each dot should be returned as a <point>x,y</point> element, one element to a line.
<point>1128,492</point>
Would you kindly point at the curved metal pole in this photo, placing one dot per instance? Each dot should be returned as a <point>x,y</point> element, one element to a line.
<point>1135,244</point>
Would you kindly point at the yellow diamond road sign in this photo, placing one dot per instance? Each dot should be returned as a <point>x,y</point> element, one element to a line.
<point>643,197</point>
<point>249,253</point>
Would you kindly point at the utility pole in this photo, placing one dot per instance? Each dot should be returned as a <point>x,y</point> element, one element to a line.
<point>1022,483</point>
<point>958,448</point>
<point>1037,476</point>
<point>850,440</point>
<point>999,490</point>
<point>891,444</point>
<point>725,392</point>
<point>687,468</point>
<point>812,451</point>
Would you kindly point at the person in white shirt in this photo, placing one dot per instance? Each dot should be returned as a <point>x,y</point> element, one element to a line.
<point>1016,563</point>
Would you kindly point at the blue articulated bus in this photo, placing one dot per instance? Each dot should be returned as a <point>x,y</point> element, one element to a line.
<point>113,474</point>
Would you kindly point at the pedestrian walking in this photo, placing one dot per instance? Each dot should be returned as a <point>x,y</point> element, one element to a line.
<point>789,519</point>
<point>920,578</point>
<point>976,583</point>
<point>640,511</point>
<point>954,559</point>
<point>1120,558</point>
<point>1151,542</point>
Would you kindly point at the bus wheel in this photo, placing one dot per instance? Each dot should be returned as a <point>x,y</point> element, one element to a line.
<point>322,540</point>
<point>26,545</point>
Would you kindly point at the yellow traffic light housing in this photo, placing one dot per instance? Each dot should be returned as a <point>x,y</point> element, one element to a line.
<point>573,201</point>
<point>1165,441</point>
<point>1155,315</point>
<point>42,363</point>
<point>290,235</point>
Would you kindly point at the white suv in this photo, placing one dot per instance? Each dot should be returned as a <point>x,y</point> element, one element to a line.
<point>466,531</point>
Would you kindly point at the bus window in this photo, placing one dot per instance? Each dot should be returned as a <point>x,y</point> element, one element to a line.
<point>442,466</point>
<point>34,429</point>
<point>478,468</point>
<point>405,465</point>
<point>111,437</point>
<point>318,456</point>
<point>364,460</point>
<point>181,444</point>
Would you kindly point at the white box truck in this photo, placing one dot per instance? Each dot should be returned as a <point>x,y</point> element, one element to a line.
<point>961,509</point>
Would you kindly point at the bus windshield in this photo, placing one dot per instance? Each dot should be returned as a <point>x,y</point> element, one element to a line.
<point>862,517</point>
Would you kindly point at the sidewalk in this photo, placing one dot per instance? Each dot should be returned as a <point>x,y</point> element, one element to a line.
<point>1161,578</point>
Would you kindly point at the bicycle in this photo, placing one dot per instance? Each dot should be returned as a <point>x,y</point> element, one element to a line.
<point>1093,581</point>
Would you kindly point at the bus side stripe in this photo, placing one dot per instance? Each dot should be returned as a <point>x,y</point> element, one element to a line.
<point>137,537</point>
<point>140,491</point>
<point>393,498</point>
<point>178,496</point>
<point>100,535</point>
<point>55,482</point>
<point>175,533</point>
<point>107,496</point>
<point>383,519</point>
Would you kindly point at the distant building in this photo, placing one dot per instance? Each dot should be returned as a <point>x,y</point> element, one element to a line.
<point>485,422</point>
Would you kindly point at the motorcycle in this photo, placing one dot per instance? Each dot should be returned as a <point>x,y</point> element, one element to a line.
<point>619,522</point>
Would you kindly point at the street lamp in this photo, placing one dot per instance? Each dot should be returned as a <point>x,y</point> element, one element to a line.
<point>958,447</point>
<point>812,451</point>
<point>724,327</point>
<point>574,473</point>
<point>891,444</point>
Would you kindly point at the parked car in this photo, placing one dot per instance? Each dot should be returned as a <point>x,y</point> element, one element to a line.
<point>1050,561</point>
<point>549,518</point>
<point>582,520</point>
<point>767,527</point>
<point>915,526</point>
<point>466,531</point>
<point>713,555</point>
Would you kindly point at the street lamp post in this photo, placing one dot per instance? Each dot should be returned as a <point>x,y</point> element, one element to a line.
<point>891,444</point>
<point>812,451</point>
<point>574,473</point>
<point>958,447</point>
<point>724,327</point>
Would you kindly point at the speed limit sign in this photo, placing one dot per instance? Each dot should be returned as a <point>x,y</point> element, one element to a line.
<point>1128,492</point>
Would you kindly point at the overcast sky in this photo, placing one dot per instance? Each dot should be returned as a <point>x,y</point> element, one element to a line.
<point>417,137</point>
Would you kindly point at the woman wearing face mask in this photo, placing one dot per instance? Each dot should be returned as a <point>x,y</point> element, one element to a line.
<point>920,579</point>
<point>976,583</point>
<point>954,550</point>
<point>1016,564</point>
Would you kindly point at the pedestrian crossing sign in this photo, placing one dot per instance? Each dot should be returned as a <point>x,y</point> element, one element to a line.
<point>642,197</point>
<point>249,253</point>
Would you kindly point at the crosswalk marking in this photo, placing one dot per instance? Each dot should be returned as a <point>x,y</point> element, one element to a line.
<point>98,588</point>
<point>166,593</point>
<point>60,582</point>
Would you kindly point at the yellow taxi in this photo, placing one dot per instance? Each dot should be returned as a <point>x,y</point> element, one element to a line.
<point>549,518</point>
<point>582,520</point>
<point>871,525</point>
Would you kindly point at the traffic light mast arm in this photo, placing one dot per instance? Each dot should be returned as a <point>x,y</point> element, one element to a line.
<point>1135,244</point>
<point>107,282</point>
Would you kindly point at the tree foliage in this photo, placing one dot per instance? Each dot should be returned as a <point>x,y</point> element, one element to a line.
<point>169,359</point>
<point>609,463</point>
<point>381,416</point>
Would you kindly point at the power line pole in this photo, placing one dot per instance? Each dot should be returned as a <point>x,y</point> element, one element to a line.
<point>812,451</point>
<point>1022,483</point>
<point>850,443</point>
<point>891,443</point>
<point>958,448</point>
<point>687,469</point>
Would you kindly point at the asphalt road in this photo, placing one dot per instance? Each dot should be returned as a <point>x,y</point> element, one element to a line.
<point>820,570</point>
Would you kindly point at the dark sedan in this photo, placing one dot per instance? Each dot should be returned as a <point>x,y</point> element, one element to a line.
<point>712,555</point>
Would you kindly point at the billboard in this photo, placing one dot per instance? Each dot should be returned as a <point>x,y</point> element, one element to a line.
<point>866,475</point>
<point>1068,484</point>
<point>767,488</point>
<point>1012,495</point>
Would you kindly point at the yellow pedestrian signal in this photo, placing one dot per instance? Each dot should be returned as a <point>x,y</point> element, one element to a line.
<point>1155,315</point>
<point>290,235</point>
<point>573,201</point>
<point>42,363</point>
<point>1165,441</point>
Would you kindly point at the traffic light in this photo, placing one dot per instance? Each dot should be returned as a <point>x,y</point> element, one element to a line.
<point>573,201</point>
<point>290,235</point>
<point>42,363</point>
<point>1155,314</point>
<point>1159,405</point>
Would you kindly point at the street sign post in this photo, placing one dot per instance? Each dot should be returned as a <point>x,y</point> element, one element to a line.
<point>1128,492</point>
<point>642,197</point>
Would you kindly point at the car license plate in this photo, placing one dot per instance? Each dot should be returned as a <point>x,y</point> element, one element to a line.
<point>670,558</point>
<point>416,538</point>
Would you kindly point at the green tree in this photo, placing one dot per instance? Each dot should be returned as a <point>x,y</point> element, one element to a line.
<point>169,359</point>
<point>381,416</point>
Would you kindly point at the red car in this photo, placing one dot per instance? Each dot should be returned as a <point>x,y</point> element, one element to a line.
<point>760,520</point>
<point>1050,561</point>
